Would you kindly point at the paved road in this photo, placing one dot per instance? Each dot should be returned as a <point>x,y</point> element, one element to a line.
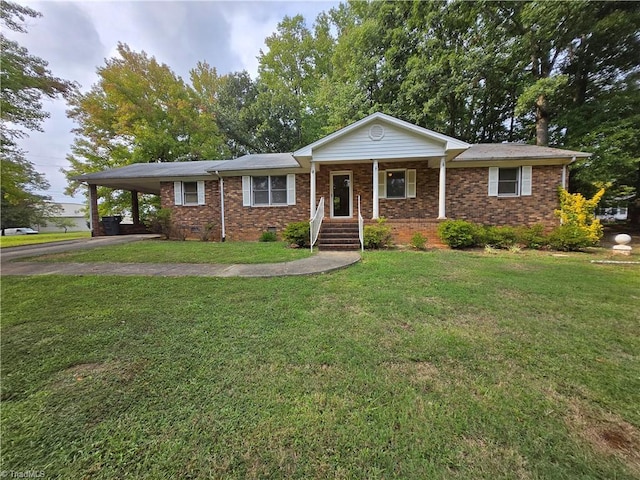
<point>321,262</point>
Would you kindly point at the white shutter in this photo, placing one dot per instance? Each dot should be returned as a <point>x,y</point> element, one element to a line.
<point>246,191</point>
<point>493,181</point>
<point>177,193</point>
<point>291,189</point>
<point>411,183</point>
<point>382,184</point>
<point>526,177</point>
<point>201,192</point>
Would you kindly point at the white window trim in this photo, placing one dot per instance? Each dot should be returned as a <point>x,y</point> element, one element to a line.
<point>247,191</point>
<point>410,183</point>
<point>178,194</point>
<point>524,185</point>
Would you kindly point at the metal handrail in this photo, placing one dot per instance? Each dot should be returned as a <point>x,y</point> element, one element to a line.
<point>316,222</point>
<point>360,226</point>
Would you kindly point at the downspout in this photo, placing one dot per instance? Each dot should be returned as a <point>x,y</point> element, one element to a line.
<point>222,232</point>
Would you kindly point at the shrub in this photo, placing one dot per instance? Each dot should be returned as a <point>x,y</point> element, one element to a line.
<point>500,237</point>
<point>418,241</point>
<point>159,221</point>
<point>578,211</point>
<point>297,233</point>
<point>458,233</point>
<point>205,234</point>
<point>377,236</point>
<point>569,238</point>
<point>268,237</point>
<point>532,237</point>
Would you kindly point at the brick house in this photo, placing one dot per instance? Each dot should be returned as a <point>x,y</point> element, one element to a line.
<point>377,167</point>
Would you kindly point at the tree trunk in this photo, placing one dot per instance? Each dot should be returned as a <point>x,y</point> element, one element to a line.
<point>542,122</point>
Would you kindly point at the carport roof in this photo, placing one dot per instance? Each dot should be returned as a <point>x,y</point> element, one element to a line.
<point>146,177</point>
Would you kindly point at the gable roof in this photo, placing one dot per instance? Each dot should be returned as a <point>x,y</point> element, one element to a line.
<point>450,143</point>
<point>515,151</point>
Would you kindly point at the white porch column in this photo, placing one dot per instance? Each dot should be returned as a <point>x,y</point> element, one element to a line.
<point>375,189</point>
<point>442,194</point>
<point>313,190</point>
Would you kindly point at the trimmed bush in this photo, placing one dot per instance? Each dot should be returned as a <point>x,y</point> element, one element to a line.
<point>532,237</point>
<point>499,237</point>
<point>268,237</point>
<point>377,236</point>
<point>297,233</point>
<point>570,238</point>
<point>418,241</point>
<point>458,233</point>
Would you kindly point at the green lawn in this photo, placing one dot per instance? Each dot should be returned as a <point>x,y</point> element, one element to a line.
<point>163,251</point>
<point>17,240</point>
<point>408,365</point>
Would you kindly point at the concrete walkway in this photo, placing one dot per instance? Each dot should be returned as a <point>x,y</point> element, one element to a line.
<point>321,262</point>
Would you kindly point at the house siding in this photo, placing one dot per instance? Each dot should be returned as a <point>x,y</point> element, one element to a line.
<point>424,205</point>
<point>192,221</point>
<point>248,223</point>
<point>396,143</point>
<point>467,198</point>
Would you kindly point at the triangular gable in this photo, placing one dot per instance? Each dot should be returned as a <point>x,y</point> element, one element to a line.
<point>381,136</point>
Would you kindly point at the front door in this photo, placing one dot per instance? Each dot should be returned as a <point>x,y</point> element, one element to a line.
<point>341,194</point>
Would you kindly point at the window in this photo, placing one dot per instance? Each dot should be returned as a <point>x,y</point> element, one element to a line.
<point>188,193</point>
<point>400,183</point>
<point>263,191</point>
<point>269,190</point>
<point>510,181</point>
<point>396,184</point>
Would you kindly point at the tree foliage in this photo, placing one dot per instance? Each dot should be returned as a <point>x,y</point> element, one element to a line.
<point>562,73</point>
<point>24,81</point>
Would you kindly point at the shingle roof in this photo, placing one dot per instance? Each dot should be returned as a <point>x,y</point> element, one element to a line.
<point>258,161</point>
<point>201,168</point>
<point>155,170</point>
<point>514,151</point>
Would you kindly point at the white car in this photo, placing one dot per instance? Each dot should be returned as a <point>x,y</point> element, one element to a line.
<point>20,231</point>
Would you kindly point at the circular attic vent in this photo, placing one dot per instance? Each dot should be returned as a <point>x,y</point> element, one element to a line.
<point>376,132</point>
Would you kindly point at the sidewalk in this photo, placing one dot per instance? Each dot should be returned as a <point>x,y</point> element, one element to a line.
<point>321,262</point>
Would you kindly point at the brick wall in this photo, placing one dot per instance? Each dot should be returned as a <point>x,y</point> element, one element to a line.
<point>467,198</point>
<point>193,220</point>
<point>425,205</point>
<point>241,223</point>
<point>247,223</point>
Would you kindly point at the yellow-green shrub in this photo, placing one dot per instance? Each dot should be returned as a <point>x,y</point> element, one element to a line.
<point>577,211</point>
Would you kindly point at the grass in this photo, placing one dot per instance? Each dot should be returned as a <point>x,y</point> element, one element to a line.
<point>162,251</point>
<point>409,365</point>
<point>18,240</point>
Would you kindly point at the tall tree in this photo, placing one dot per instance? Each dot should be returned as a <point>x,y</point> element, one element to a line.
<point>290,73</point>
<point>24,81</point>
<point>139,111</point>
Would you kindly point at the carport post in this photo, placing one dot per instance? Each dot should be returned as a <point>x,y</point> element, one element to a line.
<point>94,217</point>
<point>135,207</point>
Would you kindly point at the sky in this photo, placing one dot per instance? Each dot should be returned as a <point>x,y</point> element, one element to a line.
<point>76,37</point>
